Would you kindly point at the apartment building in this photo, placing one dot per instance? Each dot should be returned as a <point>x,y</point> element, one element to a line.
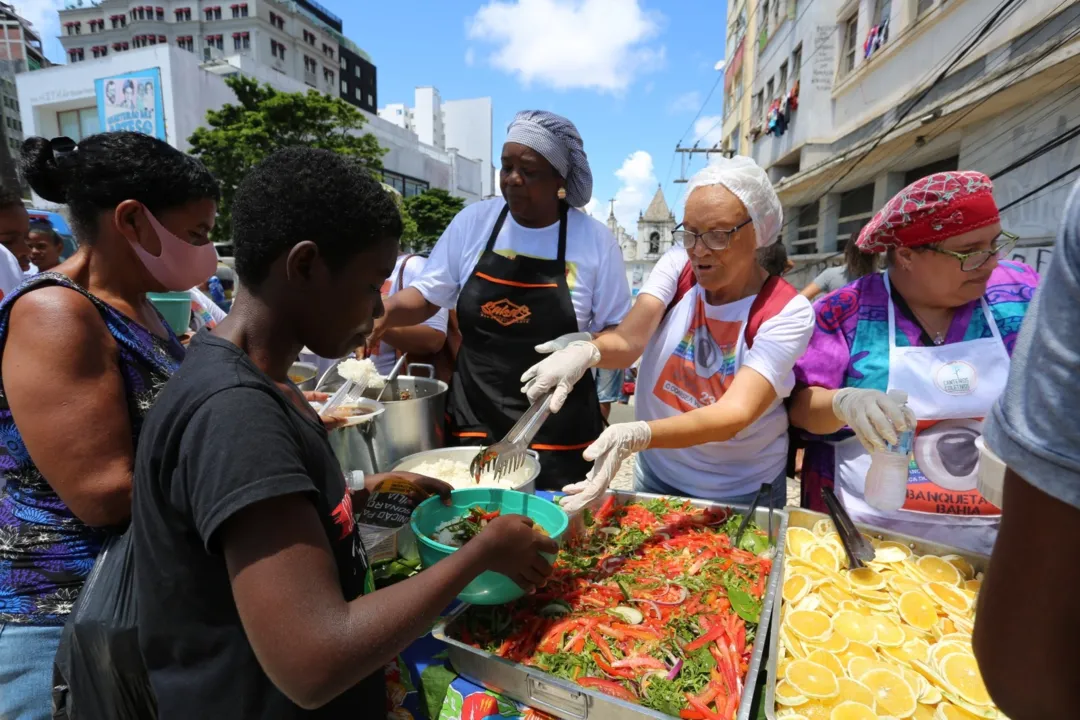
<point>739,68</point>
<point>299,39</point>
<point>848,105</point>
<point>464,126</point>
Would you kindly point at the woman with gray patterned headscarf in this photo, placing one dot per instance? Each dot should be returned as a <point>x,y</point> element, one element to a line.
<point>520,270</point>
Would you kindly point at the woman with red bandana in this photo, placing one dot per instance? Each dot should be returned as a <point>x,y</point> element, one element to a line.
<point>939,324</point>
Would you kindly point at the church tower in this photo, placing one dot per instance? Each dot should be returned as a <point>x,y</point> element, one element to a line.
<point>654,229</point>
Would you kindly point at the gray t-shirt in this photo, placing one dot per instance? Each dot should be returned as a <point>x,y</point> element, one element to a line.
<point>1034,426</point>
<point>832,278</point>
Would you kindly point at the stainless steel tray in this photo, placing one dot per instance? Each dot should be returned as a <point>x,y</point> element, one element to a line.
<point>798,517</point>
<point>571,701</point>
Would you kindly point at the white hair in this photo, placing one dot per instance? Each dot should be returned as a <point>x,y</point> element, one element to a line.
<point>748,182</point>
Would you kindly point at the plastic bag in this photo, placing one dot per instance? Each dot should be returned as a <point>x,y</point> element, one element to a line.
<point>99,673</point>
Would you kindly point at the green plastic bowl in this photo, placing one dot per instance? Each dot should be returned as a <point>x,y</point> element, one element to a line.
<point>175,307</point>
<point>489,588</point>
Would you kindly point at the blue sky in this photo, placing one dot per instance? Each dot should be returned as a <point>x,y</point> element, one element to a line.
<point>631,74</point>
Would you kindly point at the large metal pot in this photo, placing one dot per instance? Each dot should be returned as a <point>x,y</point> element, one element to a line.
<point>304,375</point>
<point>412,422</point>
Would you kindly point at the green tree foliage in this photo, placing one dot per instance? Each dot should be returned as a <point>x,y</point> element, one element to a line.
<point>264,120</point>
<point>431,211</point>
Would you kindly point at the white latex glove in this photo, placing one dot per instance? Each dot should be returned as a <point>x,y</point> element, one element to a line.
<point>560,372</point>
<point>562,342</point>
<point>609,451</point>
<point>874,417</point>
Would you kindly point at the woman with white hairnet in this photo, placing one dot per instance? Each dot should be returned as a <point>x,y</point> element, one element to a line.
<point>717,338</point>
<point>521,270</point>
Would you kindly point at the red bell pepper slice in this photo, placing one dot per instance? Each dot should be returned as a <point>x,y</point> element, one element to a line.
<point>614,671</point>
<point>715,632</point>
<point>602,644</point>
<point>608,687</point>
<point>702,708</point>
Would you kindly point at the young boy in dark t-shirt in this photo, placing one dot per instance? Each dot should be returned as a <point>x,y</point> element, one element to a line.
<point>253,589</point>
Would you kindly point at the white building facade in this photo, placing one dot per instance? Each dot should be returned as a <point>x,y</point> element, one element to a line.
<point>61,100</point>
<point>847,110</point>
<point>463,127</point>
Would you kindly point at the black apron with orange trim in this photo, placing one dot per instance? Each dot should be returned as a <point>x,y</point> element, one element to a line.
<point>507,307</point>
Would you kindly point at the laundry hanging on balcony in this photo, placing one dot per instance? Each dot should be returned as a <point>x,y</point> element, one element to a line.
<point>878,36</point>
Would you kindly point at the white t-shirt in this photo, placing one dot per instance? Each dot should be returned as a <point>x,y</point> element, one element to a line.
<point>689,362</point>
<point>11,275</point>
<point>387,356</point>
<point>595,272</point>
<point>32,271</point>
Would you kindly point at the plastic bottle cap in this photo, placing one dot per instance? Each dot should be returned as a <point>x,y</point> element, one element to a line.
<point>898,396</point>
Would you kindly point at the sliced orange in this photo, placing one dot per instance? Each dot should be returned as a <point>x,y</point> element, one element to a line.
<point>835,643</point>
<point>888,631</point>
<point>961,675</point>
<point>938,570</point>
<point>795,588</point>
<point>918,610</point>
<point>948,597</point>
<point>852,711</point>
<point>810,625</point>
<point>787,695</point>
<point>854,626</point>
<point>812,680</point>
<point>797,540</point>
<point>962,566</point>
<point>902,584</point>
<point>866,579</point>
<point>855,691</point>
<point>892,693</point>
<point>822,657</point>
<point>948,711</point>
<point>824,557</point>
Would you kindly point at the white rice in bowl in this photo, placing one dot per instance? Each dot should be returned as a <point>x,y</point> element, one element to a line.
<point>457,474</point>
<point>361,371</point>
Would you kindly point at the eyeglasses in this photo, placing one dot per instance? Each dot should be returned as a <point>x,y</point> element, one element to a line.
<point>972,261</point>
<point>712,239</point>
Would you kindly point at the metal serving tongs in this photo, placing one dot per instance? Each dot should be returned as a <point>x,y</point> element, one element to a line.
<point>509,454</point>
<point>858,548</point>
<point>766,490</point>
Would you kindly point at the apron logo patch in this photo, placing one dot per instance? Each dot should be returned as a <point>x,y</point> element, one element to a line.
<point>956,378</point>
<point>505,312</point>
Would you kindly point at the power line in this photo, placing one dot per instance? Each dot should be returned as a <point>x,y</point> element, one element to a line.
<point>708,97</point>
<point>1019,68</point>
<point>1023,198</point>
<point>1039,151</point>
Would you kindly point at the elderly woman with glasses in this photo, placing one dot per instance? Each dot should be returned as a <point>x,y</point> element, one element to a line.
<point>717,337</point>
<point>940,325</point>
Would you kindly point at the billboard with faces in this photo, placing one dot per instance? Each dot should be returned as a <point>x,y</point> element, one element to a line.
<point>132,101</point>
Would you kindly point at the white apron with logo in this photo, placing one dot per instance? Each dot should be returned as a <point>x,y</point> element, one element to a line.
<point>950,388</point>
<point>688,364</point>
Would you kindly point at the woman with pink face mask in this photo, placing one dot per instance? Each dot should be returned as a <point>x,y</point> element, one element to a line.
<point>84,353</point>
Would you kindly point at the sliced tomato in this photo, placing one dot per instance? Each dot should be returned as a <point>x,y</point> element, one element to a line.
<point>617,672</point>
<point>608,687</point>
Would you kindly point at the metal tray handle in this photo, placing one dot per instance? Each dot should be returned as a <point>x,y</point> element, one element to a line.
<point>564,702</point>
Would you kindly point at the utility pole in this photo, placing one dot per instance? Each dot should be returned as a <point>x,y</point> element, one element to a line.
<point>686,154</point>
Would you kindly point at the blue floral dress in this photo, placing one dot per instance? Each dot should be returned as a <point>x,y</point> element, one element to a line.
<point>45,551</point>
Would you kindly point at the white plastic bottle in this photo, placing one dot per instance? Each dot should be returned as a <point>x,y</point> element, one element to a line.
<point>886,483</point>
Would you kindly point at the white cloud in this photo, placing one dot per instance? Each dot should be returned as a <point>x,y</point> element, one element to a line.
<point>470,57</point>
<point>709,130</point>
<point>42,14</point>
<point>685,103</point>
<point>637,178</point>
<point>569,44</point>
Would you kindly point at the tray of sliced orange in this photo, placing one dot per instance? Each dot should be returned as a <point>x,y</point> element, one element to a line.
<point>890,640</point>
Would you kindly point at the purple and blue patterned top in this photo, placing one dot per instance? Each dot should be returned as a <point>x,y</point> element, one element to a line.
<point>850,345</point>
<point>46,552</point>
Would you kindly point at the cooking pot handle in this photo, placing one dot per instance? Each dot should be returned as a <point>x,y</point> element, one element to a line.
<point>425,366</point>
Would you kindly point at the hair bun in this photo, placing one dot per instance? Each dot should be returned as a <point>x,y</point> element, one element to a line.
<point>39,168</point>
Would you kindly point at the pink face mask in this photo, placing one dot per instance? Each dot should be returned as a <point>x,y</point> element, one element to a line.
<point>181,265</point>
